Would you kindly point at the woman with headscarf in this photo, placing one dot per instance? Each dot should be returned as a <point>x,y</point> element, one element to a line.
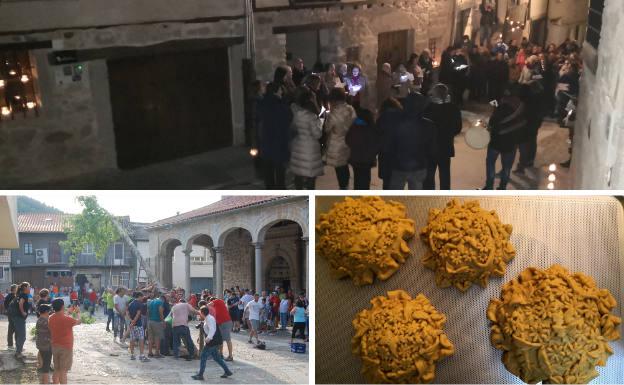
<point>357,85</point>
<point>384,84</point>
<point>447,119</point>
<point>305,148</point>
<point>336,128</point>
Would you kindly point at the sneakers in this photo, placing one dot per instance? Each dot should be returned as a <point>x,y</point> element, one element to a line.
<point>144,359</point>
<point>132,357</point>
<point>226,375</point>
<point>230,358</point>
<point>198,377</point>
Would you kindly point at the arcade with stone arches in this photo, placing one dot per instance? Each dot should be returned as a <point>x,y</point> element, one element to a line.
<point>258,247</point>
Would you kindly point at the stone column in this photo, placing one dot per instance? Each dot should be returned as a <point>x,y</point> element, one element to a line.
<point>259,284</point>
<point>218,271</point>
<point>187,271</point>
<point>306,273</point>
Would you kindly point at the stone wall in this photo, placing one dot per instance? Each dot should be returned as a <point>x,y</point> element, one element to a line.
<point>428,19</point>
<point>598,158</point>
<point>238,260</point>
<point>73,134</point>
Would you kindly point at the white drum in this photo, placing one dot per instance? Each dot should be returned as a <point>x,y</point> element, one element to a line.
<point>477,137</point>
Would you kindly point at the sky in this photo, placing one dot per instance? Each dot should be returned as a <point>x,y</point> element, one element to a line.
<point>141,206</point>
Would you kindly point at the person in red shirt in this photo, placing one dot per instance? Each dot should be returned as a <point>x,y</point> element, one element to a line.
<point>224,323</point>
<point>73,296</point>
<point>275,303</point>
<point>193,301</point>
<point>62,339</point>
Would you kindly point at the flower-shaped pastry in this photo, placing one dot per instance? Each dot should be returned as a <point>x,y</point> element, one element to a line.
<point>466,245</point>
<point>553,326</point>
<point>400,339</point>
<point>364,237</point>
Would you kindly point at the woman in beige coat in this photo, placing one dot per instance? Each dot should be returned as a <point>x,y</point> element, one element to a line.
<point>337,125</point>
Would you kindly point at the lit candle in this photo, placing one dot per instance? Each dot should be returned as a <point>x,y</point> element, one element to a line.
<point>31,105</point>
<point>552,178</point>
<point>552,167</point>
<point>253,152</point>
<point>2,83</point>
<point>24,79</point>
<point>17,97</point>
<point>551,186</point>
<point>12,73</point>
<point>6,111</point>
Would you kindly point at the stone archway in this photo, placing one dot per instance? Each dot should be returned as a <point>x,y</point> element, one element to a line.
<point>199,252</point>
<point>165,270</point>
<point>279,274</point>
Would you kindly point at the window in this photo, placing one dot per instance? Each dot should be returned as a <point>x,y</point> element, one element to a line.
<point>1,273</point>
<point>594,22</point>
<point>202,258</point>
<point>17,89</point>
<point>5,253</point>
<point>88,249</point>
<point>28,248</point>
<point>119,251</point>
<point>121,279</point>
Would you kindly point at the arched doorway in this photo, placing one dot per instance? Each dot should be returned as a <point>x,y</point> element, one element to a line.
<point>166,261</point>
<point>200,249</point>
<point>279,274</point>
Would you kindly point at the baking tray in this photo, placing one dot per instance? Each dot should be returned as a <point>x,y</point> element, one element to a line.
<point>583,234</point>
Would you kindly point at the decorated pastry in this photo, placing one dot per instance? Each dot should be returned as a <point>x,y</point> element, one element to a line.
<point>553,326</point>
<point>364,238</point>
<point>400,339</point>
<point>466,245</point>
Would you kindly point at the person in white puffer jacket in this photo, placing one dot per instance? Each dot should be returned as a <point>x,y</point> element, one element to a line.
<point>305,147</point>
<point>337,126</point>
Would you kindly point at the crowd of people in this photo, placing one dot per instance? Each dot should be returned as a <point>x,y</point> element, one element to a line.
<point>306,120</point>
<point>155,323</point>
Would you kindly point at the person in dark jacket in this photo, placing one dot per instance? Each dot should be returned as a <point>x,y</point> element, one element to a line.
<point>389,118</point>
<point>505,124</point>
<point>532,96</point>
<point>459,78</point>
<point>488,22</point>
<point>446,66</point>
<point>299,71</point>
<point>11,328</point>
<point>426,64</point>
<point>498,77</point>
<point>411,145</point>
<point>363,140</point>
<point>275,117</point>
<point>447,119</point>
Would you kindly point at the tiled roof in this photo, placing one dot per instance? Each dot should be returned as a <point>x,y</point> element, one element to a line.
<point>41,223</point>
<point>227,203</point>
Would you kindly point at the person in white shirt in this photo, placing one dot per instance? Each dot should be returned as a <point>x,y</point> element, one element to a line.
<point>180,313</point>
<point>119,321</point>
<point>244,301</point>
<point>212,343</point>
<point>284,312</point>
<point>254,308</point>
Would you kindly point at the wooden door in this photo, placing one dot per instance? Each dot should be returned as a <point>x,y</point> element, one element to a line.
<point>54,252</point>
<point>392,48</point>
<point>169,106</point>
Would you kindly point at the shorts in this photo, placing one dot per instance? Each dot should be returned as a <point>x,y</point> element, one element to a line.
<point>225,329</point>
<point>156,330</point>
<point>234,315</point>
<point>46,358</point>
<point>63,358</point>
<point>137,333</point>
<point>255,324</point>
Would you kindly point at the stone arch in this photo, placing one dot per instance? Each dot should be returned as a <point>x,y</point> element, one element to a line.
<point>268,222</point>
<point>165,269</point>
<point>230,228</point>
<point>277,261</point>
<point>199,239</point>
<point>237,253</point>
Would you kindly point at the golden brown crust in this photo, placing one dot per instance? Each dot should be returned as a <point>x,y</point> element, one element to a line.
<point>466,245</point>
<point>400,339</point>
<point>553,326</point>
<point>364,237</point>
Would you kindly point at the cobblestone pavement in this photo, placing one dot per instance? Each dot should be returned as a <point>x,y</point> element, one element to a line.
<point>98,360</point>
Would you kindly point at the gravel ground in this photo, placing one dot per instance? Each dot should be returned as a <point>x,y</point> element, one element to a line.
<point>98,360</point>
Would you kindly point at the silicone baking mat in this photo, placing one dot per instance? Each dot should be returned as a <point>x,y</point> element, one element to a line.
<point>583,234</point>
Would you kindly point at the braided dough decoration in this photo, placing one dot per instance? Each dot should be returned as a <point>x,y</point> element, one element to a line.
<point>363,238</point>
<point>553,326</point>
<point>466,244</point>
<point>400,339</point>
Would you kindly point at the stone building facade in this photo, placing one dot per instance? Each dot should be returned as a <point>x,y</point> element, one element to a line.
<point>254,242</point>
<point>86,55</point>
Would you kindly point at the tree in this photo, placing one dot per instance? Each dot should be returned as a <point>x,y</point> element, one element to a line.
<point>94,226</point>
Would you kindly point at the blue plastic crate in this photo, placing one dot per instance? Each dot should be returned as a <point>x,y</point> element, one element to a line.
<point>298,347</point>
